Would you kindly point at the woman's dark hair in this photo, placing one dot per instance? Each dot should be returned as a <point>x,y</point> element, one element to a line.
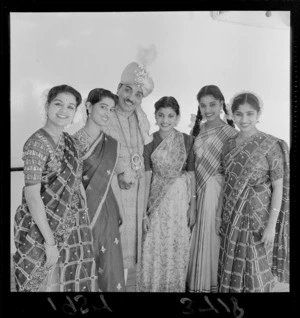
<point>243,98</point>
<point>97,94</point>
<point>167,101</point>
<point>214,91</point>
<point>54,91</point>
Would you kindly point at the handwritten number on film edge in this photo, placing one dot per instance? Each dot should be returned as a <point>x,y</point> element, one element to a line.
<point>238,312</point>
<point>70,308</point>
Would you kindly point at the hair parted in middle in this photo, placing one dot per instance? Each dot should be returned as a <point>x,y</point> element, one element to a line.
<point>244,98</point>
<point>214,91</point>
<point>54,91</point>
<point>167,101</point>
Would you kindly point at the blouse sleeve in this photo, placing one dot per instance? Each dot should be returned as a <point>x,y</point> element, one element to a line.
<point>190,162</point>
<point>34,157</point>
<point>81,143</point>
<point>148,149</point>
<point>276,162</point>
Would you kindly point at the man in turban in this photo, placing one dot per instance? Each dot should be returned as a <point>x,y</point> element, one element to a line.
<point>130,126</point>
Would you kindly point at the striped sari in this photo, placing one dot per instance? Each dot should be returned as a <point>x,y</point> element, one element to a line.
<point>205,243</point>
<point>245,265</point>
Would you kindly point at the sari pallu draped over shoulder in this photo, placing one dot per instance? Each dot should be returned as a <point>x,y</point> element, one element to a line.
<point>208,161</point>
<point>205,243</point>
<point>60,192</point>
<point>239,165</point>
<point>168,159</point>
<point>99,164</point>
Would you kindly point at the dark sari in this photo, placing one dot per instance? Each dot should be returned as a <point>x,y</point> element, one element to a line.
<point>67,216</point>
<point>245,265</point>
<point>99,162</point>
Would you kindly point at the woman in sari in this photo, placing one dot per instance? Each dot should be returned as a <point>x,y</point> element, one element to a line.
<point>52,235</point>
<point>171,206</point>
<point>255,213</point>
<point>210,137</point>
<point>100,153</point>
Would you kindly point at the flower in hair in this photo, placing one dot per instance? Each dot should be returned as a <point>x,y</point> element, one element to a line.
<point>228,114</point>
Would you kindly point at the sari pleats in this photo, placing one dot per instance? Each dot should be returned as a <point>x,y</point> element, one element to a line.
<point>165,247</point>
<point>205,243</point>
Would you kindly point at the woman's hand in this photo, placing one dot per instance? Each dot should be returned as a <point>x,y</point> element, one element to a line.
<point>122,183</point>
<point>269,235</point>
<point>218,223</point>
<point>191,216</point>
<point>52,254</point>
<point>146,224</point>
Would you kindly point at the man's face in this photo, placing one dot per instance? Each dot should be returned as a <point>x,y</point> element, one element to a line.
<point>130,95</point>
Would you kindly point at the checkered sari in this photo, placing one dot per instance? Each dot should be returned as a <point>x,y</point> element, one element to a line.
<point>67,216</point>
<point>245,265</point>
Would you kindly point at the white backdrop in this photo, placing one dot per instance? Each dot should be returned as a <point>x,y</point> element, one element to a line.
<point>89,50</point>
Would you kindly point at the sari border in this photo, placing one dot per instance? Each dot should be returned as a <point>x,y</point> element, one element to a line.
<point>99,208</point>
<point>93,146</point>
<point>171,180</point>
<point>225,132</point>
<point>243,178</point>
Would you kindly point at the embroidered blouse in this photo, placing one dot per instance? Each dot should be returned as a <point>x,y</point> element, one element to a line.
<point>38,151</point>
<point>269,168</point>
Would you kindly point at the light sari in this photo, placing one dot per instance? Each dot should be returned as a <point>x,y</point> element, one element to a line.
<point>165,248</point>
<point>245,264</point>
<point>205,243</point>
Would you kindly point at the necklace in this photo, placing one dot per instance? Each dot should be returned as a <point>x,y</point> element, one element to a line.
<point>54,136</point>
<point>93,138</point>
<point>135,158</point>
<point>242,139</point>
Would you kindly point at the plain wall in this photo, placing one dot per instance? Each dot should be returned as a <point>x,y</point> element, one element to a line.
<point>89,50</point>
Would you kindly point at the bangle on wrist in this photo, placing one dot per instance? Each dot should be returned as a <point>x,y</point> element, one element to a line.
<point>50,246</point>
<point>274,209</point>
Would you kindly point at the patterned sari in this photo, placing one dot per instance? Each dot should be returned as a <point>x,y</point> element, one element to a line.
<point>67,216</point>
<point>165,248</point>
<point>99,162</point>
<point>205,243</point>
<point>245,265</point>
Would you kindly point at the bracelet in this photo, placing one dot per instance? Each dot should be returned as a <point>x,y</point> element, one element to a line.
<point>218,218</point>
<point>274,209</point>
<point>50,246</point>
